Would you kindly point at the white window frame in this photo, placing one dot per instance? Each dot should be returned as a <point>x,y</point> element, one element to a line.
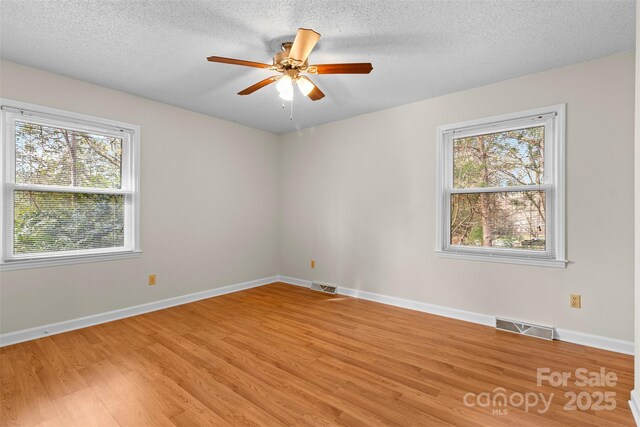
<point>553,118</point>
<point>11,111</point>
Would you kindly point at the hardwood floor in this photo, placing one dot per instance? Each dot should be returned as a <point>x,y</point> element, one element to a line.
<point>284,355</point>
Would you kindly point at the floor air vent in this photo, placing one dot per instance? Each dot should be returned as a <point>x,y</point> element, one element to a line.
<point>522,328</point>
<point>316,286</point>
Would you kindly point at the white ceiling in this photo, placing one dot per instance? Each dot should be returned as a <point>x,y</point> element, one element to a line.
<point>419,49</point>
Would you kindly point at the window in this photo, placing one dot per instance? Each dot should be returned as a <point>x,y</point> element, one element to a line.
<point>501,188</point>
<point>69,187</point>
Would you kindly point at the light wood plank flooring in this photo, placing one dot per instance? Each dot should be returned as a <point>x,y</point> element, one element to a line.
<point>284,355</point>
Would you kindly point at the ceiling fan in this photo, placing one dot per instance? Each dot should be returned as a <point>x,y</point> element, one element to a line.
<point>291,62</point>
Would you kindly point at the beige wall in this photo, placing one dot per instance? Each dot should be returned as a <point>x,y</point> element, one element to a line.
<point>358,196</point>
<point>208,204</point>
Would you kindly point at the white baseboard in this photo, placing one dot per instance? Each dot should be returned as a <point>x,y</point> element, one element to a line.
<point>468,316</point>
<point>597,341</point>
<point>9,338</point>
<point>605,343</point>
<point>634,404</point>
<point>109,316</point>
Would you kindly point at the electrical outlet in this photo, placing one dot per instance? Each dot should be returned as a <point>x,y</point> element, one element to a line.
<point>313,263</point>
<point>152,280</point>
<point>576,301</point>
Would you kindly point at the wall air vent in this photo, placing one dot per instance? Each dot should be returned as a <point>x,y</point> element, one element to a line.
<point>544,332</point>
<point>329,289</point>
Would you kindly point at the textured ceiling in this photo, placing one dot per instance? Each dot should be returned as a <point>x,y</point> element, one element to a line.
<point>419,49</point>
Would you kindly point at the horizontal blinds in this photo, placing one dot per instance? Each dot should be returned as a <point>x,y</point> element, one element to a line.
<point>510,123</point>
<point>70,189</point>
<point>78,124</point>
<point>53,222</point>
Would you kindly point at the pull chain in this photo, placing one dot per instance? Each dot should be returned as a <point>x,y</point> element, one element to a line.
<point>291,116</point>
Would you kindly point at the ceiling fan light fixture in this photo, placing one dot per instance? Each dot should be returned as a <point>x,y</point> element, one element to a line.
<point>284,85</point>
<point>287,95</point>
<point>305,86</point>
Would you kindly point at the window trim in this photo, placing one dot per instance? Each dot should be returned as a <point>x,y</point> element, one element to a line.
<point>554,187</point>
<point>67,119</point>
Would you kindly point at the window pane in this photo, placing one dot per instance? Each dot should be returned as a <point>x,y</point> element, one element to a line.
<point>505,220</point>
<point>499,159</point>
<point>56,156</point>
<point>50,222</point>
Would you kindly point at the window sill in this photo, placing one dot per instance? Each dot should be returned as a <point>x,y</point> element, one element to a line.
<point>68,260</point>
<point>540,262</point>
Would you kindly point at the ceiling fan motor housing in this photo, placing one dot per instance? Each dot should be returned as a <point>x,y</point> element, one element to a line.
<point>282,61</point>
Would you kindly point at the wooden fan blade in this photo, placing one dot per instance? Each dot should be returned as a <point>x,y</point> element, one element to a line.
<point>237,62</point>
<point>303,44</point>
<point>258,85</point>
<point>357,68</point>
<point>315,93</point>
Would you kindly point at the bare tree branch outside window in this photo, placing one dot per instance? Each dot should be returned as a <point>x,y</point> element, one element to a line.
<point>509,219</point>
